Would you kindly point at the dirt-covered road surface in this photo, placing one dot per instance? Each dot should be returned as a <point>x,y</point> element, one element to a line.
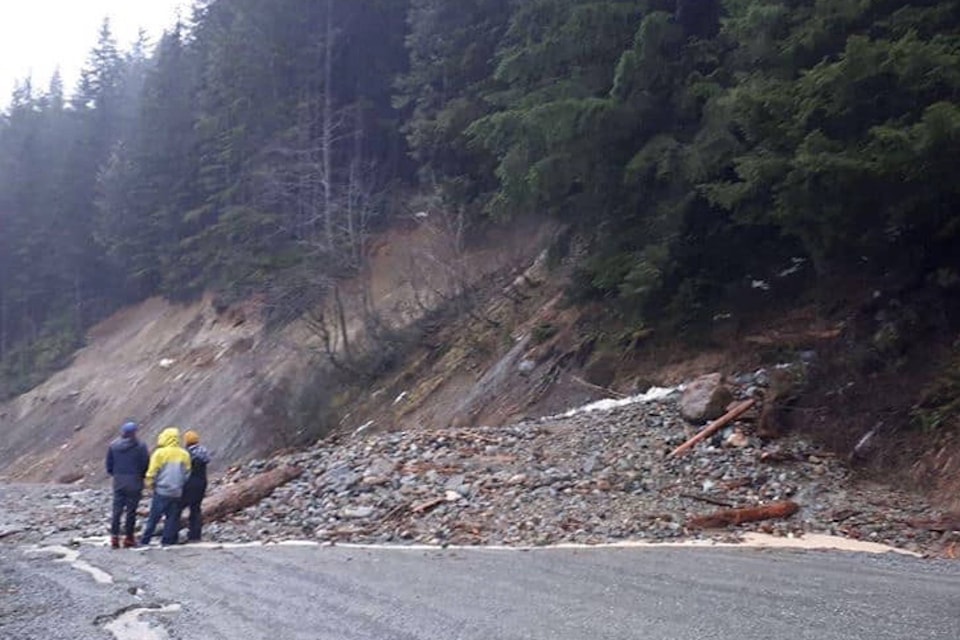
<point>340,593</point>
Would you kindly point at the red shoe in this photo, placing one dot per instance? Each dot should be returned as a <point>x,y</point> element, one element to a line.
<point>129,543</point>
<point>114,542</point>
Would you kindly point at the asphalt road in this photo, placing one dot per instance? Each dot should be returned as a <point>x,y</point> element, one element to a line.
<point>319,593</point>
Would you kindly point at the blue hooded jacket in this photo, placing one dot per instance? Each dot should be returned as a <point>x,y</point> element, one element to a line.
<point>127,461</point>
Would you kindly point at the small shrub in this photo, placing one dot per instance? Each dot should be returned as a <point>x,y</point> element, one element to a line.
<point>940,401</point>
<point>543,332</point>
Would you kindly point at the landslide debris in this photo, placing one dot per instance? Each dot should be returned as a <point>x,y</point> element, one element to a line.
<point>596,475</point>
<point>590,477</point>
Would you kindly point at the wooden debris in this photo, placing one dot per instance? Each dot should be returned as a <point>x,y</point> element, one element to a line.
<point>713,427</point>
<point>396,511</point>
<point>795,339</point>
<point>727,517</point>
<point>235,497</point>
<point>424,467</point>
<point>949,522</point>
<point>709,500</point>
<point>427,505</point>
<point>596,387</point>
<point>736,483</point>
<point>841,515</point>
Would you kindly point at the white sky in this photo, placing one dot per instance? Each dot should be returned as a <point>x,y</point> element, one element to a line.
<point>37,36</point>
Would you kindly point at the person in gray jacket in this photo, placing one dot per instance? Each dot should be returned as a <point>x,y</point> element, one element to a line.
<point>127,461</point>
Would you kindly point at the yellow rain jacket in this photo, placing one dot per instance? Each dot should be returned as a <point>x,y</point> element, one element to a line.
<point>169,465</point>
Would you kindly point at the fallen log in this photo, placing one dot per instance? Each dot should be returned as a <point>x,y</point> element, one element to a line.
<point>727,517</point>
<point>713,427</point>
<point>235,497</point>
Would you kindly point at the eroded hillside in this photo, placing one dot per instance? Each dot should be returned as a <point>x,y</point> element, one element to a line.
<point>223,372</point>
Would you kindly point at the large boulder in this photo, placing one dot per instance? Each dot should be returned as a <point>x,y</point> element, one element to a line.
<point>706,398</point>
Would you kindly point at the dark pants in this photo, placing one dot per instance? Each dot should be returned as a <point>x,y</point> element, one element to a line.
<point>124,500</point>
<point>169,509</point>
<point>195,517</point>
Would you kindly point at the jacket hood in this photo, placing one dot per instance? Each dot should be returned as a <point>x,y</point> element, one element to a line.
<point>169,437</point>
<point>199,452</point>
<point>122,444</point>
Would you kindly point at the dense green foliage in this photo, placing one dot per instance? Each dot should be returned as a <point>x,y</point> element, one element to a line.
<point>700,143</point>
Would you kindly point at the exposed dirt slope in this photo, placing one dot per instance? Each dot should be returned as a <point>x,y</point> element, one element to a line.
<point>160,364</point>
<point>224,373</point>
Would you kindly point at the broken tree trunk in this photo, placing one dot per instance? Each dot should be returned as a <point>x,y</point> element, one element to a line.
<point>233,498</point>
<point>713,427</point>
<point>727,517</point>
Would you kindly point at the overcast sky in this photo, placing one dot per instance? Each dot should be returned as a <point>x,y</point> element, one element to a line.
<point>37,36</point>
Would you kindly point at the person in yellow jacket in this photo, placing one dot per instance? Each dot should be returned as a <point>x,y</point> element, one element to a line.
<point>168,472</point>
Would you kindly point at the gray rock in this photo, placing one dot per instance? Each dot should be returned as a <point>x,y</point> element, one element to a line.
<point>380,467</point>
<point>357,513</point>
<point>341,477</point>
<point>590,464</point>
<point>706,398</point>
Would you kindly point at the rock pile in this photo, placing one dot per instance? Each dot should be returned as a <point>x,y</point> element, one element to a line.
<point>592,477</point>
<point>589,477</point>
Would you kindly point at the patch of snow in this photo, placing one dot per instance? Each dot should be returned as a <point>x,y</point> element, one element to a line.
<point>652,395</point>
<point>760,284</point>
<point>400,398</point>
<point>166,363</point>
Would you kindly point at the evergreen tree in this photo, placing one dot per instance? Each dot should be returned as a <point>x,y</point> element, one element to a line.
<point>695,142</point>
<point>451,49</point>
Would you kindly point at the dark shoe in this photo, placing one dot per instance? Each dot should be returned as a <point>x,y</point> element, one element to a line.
<point>129,543</point>
<point>114,542</point>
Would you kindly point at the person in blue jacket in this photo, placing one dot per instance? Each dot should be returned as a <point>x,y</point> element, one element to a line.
<point>127,462</point>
